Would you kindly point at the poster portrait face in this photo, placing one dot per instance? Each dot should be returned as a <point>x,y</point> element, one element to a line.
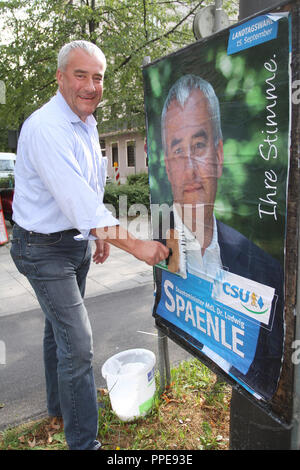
<point>193,159</point>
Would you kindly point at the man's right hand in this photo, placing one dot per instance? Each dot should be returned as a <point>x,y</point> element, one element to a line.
<point>151,252</point>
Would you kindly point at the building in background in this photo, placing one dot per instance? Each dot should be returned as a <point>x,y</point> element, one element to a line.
<point>127,150</point>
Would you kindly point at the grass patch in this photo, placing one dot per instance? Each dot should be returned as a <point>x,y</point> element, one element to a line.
<point>192,414</point>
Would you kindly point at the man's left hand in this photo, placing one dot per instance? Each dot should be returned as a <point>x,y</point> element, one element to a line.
<point>101,252</point>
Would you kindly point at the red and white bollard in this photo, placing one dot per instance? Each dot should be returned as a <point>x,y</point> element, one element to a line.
<point>117,173</point>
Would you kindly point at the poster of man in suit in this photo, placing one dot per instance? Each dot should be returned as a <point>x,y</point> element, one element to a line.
<point>217,116</point>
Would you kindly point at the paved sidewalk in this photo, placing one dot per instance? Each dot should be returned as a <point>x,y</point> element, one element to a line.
<point>120,271</point>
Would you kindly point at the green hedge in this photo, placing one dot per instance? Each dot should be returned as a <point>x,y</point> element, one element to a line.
<point>7,182</point>
<point>136,190</point>
<point>139,178</point>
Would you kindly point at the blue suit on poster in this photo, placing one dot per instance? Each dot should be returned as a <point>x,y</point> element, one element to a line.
<point>253,352</point>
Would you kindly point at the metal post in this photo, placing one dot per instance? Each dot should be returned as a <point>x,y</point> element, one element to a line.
<point>163,360</point>
<point>218,9</point>
<point>295,437</point>
<point>167,361</point>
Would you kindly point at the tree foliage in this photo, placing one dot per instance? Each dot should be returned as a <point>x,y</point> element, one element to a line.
<point>34,30</point>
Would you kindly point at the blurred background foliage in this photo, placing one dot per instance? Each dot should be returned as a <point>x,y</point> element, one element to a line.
<point>240,84</point>
<point>33,31</point>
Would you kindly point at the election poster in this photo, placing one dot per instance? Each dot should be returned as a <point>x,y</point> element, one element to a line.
<point>218,140</point>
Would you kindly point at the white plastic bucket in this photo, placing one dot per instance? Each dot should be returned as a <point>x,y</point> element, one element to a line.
<point>130,382</point>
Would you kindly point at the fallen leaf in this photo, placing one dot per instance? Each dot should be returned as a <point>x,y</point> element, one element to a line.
<point>56,427</point>
<point>32,443</point>
<point>56,423</point>
<point>164,397</point>
<point>170,385</point>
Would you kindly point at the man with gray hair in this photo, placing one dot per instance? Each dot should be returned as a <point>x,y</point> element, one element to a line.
<point>193,150</point>
<point>193,147</point>
<point>58,207</point>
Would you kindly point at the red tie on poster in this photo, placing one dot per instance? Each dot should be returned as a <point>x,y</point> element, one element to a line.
<point>3,230</point>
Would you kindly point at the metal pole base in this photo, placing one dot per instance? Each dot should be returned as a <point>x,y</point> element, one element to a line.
<point>163,360</point>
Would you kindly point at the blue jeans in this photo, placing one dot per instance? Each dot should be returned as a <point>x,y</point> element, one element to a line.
<point>56,266</point>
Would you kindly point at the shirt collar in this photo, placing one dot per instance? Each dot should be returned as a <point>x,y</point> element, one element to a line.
<point>73,118</point>
<point>207,266</point>
<point>190,237</point>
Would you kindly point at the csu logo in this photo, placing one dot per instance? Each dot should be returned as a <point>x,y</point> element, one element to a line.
<point>250,301</point>
<point>244,296</point>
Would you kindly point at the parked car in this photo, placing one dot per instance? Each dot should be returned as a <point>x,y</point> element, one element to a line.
<point>7,165</point>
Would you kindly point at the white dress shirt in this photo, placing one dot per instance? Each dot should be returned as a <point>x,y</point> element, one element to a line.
<point>206,266</point>
<point>60,173</point>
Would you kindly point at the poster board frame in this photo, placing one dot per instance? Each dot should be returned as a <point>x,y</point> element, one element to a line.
<point>281,406</point>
